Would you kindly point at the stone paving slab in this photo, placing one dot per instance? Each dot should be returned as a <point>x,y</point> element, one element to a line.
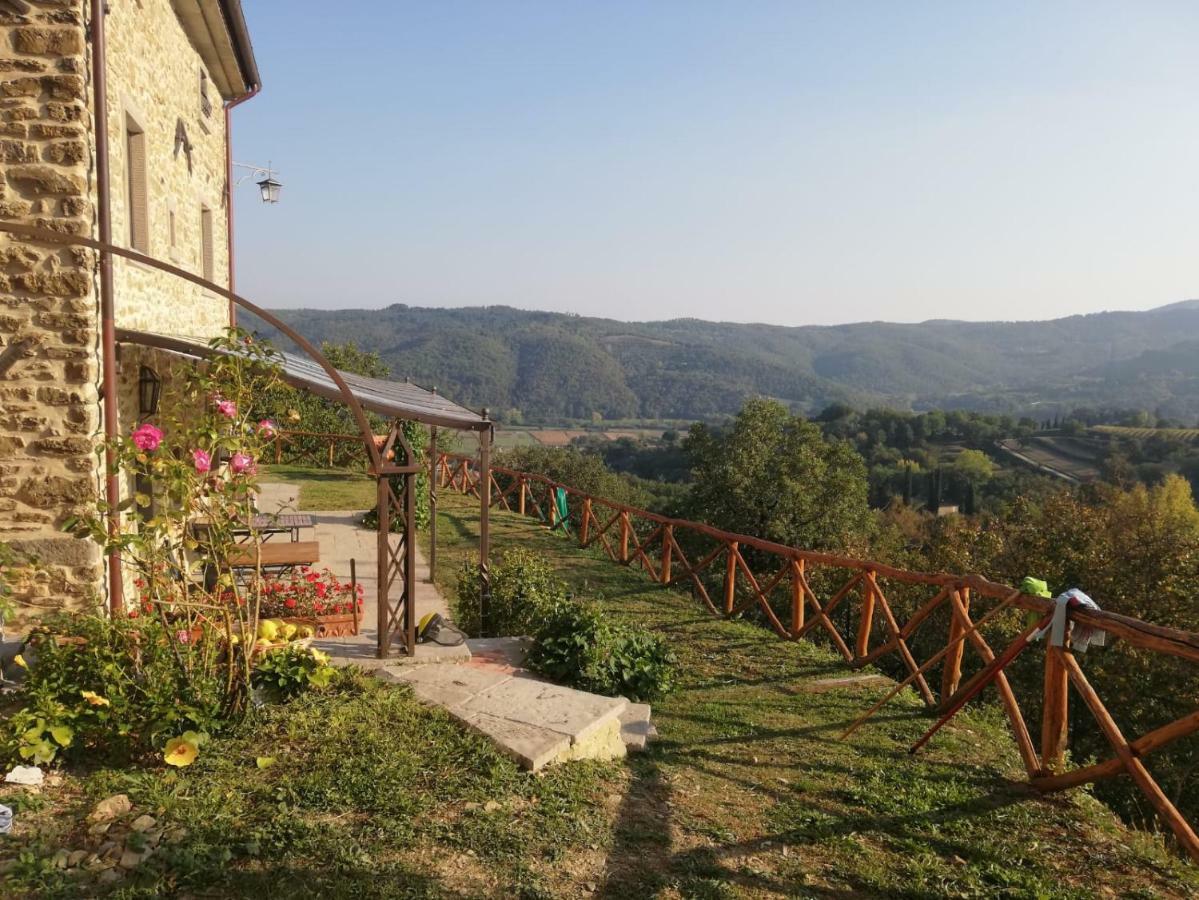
<point>576,714</point>
<point>531,747</point>
<point>851,681</point>
<point>450,686</point>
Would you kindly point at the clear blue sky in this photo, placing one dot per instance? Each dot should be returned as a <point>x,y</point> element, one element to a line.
<point>787,162</point>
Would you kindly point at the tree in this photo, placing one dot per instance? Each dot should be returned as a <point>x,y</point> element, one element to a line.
<point>773,475</point>
<point>974,468</point>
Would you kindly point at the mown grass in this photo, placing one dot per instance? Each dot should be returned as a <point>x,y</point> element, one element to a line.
<point>372,795</point>
<point>324,489</point>
<point>749,792</point>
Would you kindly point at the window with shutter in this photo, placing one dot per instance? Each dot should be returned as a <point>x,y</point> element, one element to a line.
<point>208,268</point>
<point>138,203</point>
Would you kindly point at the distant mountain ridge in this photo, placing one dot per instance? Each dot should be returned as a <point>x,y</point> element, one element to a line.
<point>552,365</point>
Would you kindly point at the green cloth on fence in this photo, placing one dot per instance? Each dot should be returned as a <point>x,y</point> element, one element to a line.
<point>562,513</point>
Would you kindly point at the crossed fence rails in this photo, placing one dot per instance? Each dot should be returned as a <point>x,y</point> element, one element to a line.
<point>719,567</point>
<point>318,448</point>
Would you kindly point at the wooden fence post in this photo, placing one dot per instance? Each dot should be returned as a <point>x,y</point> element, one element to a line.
<point>730,579</point>
<point>667,548</point>
<point>624,535</point>
<point>951,672</point>
<point>797,597</point>
<point>585,524</point>
<point>524,493</point>
<point>1054,713</point>
<point>866,620</point>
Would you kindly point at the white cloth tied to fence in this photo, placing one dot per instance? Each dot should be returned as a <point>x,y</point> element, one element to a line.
<point>1081,636</point>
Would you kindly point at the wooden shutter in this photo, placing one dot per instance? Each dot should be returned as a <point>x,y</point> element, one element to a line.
<point>208,267</point>
<point>139,218</point>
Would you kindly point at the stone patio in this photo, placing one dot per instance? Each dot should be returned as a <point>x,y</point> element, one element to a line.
<point>533,721</point>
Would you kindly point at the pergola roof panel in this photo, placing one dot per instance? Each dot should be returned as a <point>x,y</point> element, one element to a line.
<point>391,399</point>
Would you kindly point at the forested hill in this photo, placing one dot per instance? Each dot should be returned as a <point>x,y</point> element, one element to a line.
<point>550,366</point>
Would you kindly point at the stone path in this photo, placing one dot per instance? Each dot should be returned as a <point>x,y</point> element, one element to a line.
<point>342,539</point>
<point>533,721</point>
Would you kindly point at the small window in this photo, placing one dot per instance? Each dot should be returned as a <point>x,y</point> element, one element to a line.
<point>205,103</point>
<point>208,266</point>
<point>135,172</point>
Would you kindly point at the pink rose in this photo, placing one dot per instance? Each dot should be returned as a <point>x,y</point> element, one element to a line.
<point>202,461</point>
<point>183,637</point>
<point>242,464</point>
<point>147,437</point>
<point>266,428</point>
<point>226,408</point>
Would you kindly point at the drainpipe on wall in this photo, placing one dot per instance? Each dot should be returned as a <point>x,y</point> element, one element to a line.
<point>229,190</point>
<point>108,344</point>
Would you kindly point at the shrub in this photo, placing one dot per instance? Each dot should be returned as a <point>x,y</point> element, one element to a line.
<point>110,689</point>
<point>578,646</point>
<point>291,670</point>
<point>523,589</point>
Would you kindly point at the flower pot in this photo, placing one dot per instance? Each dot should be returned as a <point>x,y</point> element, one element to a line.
<point>329,625</point>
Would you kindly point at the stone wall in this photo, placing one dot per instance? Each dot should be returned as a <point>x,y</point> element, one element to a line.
<point>49,308</point>
<point>154,77</point>
<point>49,322</point>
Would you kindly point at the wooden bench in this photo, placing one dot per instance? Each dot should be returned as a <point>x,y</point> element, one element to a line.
<point>276,558</point>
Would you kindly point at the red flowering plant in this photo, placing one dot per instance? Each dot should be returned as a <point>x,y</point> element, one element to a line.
<point>181,533</point>
<point>307,593</point>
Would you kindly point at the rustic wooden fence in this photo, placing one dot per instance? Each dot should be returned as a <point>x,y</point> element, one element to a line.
<point>319,448</point>
<point>797,592</point>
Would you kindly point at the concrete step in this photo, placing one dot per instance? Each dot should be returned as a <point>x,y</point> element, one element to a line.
<point>636,730</point>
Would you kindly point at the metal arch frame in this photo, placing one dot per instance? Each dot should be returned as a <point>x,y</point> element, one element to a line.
<point>347,396</point>
<point>390,565</point>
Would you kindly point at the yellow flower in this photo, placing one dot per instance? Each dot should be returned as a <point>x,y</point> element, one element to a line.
<point>180,752</point>
<point>20,661</point>
<point>94,699</point>
<point>319,655</point>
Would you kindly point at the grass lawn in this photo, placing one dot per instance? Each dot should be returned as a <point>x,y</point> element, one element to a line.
<point>322,489</point>
<point>748,793</point>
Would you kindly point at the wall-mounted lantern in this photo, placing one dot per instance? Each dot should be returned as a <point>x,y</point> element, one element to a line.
<point>269,187</point>
<point>149,391</point>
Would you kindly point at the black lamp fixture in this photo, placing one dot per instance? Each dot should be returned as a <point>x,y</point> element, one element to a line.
<point>269,188</point>
<point>149,390</point>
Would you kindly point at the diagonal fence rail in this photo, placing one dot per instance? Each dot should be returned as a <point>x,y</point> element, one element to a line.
<point>796,593</point>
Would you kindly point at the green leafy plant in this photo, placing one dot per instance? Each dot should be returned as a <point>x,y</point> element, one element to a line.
<point>578,646</point>
<point>291,670</point>
<point>109,689</point>
<point>524,588</point>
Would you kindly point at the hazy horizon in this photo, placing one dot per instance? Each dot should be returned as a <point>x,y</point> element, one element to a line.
<point>775,163</point>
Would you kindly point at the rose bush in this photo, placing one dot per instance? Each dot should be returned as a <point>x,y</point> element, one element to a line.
<point>180,660</point>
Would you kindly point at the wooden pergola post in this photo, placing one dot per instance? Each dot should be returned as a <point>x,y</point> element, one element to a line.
<point>432,500</point>
<point>396,557</point>
<point>485,528</point>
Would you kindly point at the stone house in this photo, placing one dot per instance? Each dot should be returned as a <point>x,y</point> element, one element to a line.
<point>161,75</point>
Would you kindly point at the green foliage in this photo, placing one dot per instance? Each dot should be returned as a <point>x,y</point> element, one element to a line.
<point>104,689</point>
<point>773,475</point>
<point>554,366</point>
<point>291,670</point>
<point>13,566</point>
<point>583,471</point>
<point>578,646</point>
<point>523,589</point>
